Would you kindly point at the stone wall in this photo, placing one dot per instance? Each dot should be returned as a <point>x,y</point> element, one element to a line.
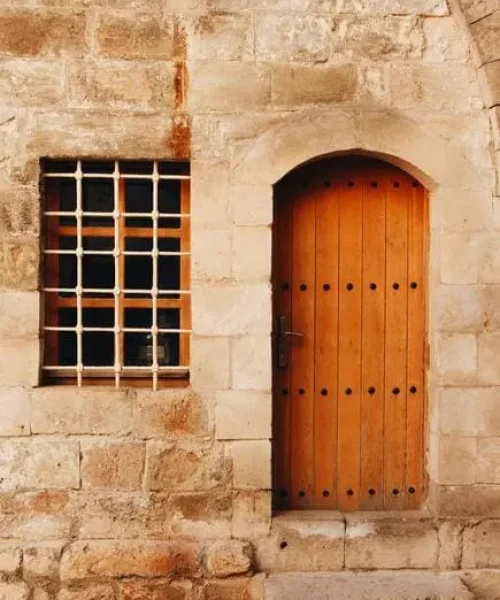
<point>131,494</point>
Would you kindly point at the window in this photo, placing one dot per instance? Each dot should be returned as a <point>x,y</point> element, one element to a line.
<point>116,272</point>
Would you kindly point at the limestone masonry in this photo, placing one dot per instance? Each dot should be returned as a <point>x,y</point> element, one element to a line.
<point>132,494</point>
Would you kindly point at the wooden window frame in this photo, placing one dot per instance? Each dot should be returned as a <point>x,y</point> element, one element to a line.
<point>118,297</point>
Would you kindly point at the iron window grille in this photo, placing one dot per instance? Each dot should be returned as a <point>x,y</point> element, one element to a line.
<point>116,272</point>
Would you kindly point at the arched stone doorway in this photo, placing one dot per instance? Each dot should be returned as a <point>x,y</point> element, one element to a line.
<point>349,302</point>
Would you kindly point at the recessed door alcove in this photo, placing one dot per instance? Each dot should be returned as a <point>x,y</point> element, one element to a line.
<point>349,303</point>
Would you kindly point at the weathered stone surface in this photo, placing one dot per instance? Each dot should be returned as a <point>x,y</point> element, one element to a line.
<point>251,464</point>
<point>10,558</point>
<point>19,260</point>
<point>386,38</point>
<point>42,33</point>
<point>88,591</point>
<point>19,314</point>
<point>484,583</point>
<point>81,411</point>
<point>384,543</point>
<point>251,514</point>
<point>485,32</point>
<point>184,466</point>
<point>227,36</point>
<point>42,560</point>
<point>296,85</point>
<point>157,590</point>
<point>474,10</point>
<point>41,515</point>
<point>38,464</point>
<point>488,460</point>
<point>457,461</point>
<point>450,545</point>
<point>469,500</point>
<point>251,362</point>
<point>460,308</point>
<point>445,40</point>
<point>457,359</point>
<point>229,557</point>
<point>172,414</point>
<point>112,464</point>
<point>15,412</point>
<point>234,86</point>
<point>459,257</point>
<point>251,205</point>
<point>470,412</point>
<point>211,185</point>
<point>463,210</point>
<point>205,372</point>
<point>304,6</point>
<point>292,38</point>
<point>489,76</point>
<point>235,588</point>
<point>392,7</point>
<point>212,255</point>
<point>243,415</point>
<point>488,352</point>
<point>250,254</point>
<point>312,543</point>
<point>146,87</point>
<point>201,515</point>
<point>480,546</point>
<point>18,208</point>
<point>135,36</point>
<point>489,261</point>
<point>122,559</point>
<point>14,591</point>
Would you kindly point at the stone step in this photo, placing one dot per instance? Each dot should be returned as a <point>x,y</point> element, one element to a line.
<point>380,585</point>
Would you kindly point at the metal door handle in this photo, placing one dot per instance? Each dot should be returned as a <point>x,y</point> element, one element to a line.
<point>282,341</point>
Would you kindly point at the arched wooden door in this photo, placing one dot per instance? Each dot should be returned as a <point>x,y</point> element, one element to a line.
<point>349,279</point>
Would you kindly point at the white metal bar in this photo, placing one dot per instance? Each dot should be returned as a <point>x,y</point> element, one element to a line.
<point>109,215</point>
<point>71,175</point>
<point>79,271</point>
<point>117,291</point>
<point>155,275</point>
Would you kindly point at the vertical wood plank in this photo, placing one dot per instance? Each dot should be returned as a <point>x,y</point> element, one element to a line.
<point>396,341</point>
<point>302,350</point>
<point>326,351</point>
<point>282,306</point>
<point>349,361</point>
<point>373,322</point>
<point>416,343</point>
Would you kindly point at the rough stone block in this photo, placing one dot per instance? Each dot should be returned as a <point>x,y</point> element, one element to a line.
<point>207,373</point>
<point>229,557</point>
<point>19,257</point>
<point>68,410</point>
<point>156,590</point>
<point>112,464</point>
<point>387,38</point>
<point>211,252</point>
<point>38,464</point>
<point>460,308</point>
<point>106,558</point>
<point>42,560</point>
<point>489,258</point>
<point>201,515</point>
<point>251,514</point>
<point>459,257</point>
<point>450,545</point>
<point>444,87</point>
<point>474,10</point>
<point>243,415</point>
<point>251,464</point>
<point>120,515</point>
<point>251,254</point>
<point>488,460</point>
<point>304,6</point>
<point>15,372</point>
<point>18,205</point>
<point>235,588</point>
<point>231,309</point>
<point>486,33</point>
<point>463,210</point>
<point>480,546</point>
<point>89,591</point>
<point>42,33</point>
<point>488,364</point>
<point>457,359</point>
<point>386,543</point>
<point>392,7</point>
<point>489,75</point>
<point>14,591</point>
<point>210,191</point>
<point>172,414</point>
<point>445,40</point>
<point>15,412</point>
<point>251,362</point>
<point>483,583</point>
<point>233,86</point>
<point>470,412</point>
<point>312,543</point>
<point>292,38</point>
<point>251,205</point>
<point>35,515</point>
<point>138,36</point>
<point>117,86</point>
<point>469,501</point>
<point>295,85</point>
<point>184,466</point>
<point>19,314</point>
<point>457,461</point>
<point>222,37</point>
<point>10,558</point>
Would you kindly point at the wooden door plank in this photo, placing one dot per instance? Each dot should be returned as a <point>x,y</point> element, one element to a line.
<point>416,343</point>
<point>282,306</point>
<point>326,350</point>
<point>373,323</point>
<point>302,350</point>
<point>396,341</point>
<point>349,364</point>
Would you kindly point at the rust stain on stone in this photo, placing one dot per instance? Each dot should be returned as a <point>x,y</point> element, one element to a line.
<point>179,141</point>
